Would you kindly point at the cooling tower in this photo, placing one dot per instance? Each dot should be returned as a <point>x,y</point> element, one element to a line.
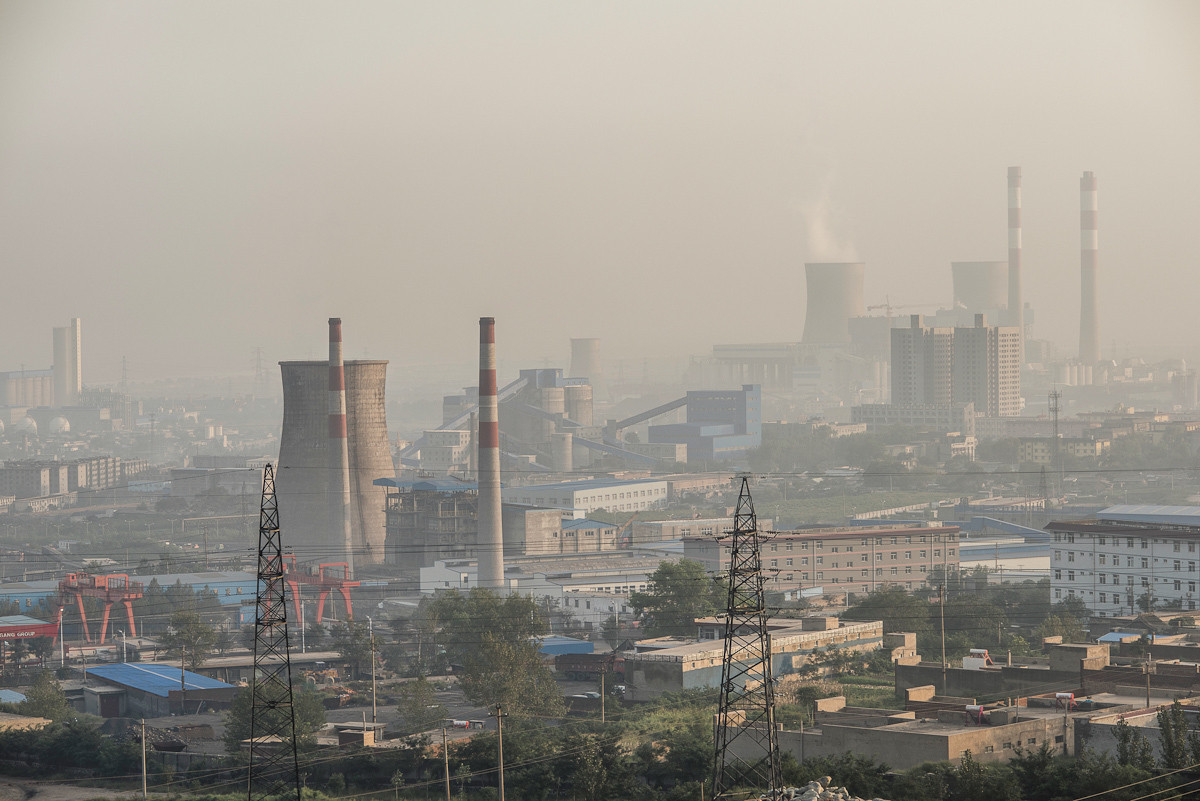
<point>490,537</point>
<point>980,286</point>
<point>835,294</point>
<point>305,484</point>
<point>1089,263</point>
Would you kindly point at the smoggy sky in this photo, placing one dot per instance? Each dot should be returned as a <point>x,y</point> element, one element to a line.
<point>198,179</point>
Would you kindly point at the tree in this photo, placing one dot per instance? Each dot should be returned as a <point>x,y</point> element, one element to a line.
<point>189,638</point>
<point>310,716</point>
<point>493,640</point>
<point>1173,737</point>
<point>678,593</point>
<point>417,705</point>
<point>1133,749</point>
<point>898,610</point>
<point>46,699</point>
<point>510,674</point>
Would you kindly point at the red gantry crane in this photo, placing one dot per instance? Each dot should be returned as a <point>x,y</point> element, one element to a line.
<point>109,589</point>
<point>327,576</point>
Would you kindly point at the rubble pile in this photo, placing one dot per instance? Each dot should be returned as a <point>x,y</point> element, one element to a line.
<point>820,790</point>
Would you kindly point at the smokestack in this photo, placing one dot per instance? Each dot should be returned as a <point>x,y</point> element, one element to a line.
<point>1089,261</point>
<point>1016,309</point>
<point>490,542</point>
<point>339,445</point>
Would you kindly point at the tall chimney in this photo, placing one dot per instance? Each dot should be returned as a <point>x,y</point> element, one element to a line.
<point>490,538</point>
<point>1016,309</point>
<point>339,446</point>
<point>1089,261</point>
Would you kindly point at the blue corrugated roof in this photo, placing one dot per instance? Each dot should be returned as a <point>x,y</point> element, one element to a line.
<point>155,679</point>
<point>440,484</point>
<point>11,697</point>
<point>1145,513</point>
<point>591,483</point>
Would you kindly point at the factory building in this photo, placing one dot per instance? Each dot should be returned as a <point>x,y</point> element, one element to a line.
<point>1128,558</point>
<point>304,483</point>
<point>720,425</point>
<point>843,559</point>
<point>584,497</point>
<point>656,670</point>
<point>955,417</point>
<point>437,519</point>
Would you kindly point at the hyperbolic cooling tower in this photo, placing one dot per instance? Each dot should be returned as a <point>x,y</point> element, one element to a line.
<point>1089,263</point>
<point>980,286</point>
<point>835,294</point>
<point>585,363</point>
<point>307,489</point>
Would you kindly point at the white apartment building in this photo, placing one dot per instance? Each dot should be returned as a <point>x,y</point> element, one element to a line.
<point>1128,557</point>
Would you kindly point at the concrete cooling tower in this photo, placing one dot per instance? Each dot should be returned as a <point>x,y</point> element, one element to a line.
<point>835,294</point>
<point>980,286</point>
<point>309,494</point>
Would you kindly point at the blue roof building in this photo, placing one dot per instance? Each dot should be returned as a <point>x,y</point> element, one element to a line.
<point>140,689</point>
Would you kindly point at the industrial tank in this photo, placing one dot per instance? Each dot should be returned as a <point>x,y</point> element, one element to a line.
<point>305,489</point>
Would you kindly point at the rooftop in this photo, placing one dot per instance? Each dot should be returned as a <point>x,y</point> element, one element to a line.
<point>587,484</point>
<point>158,680</point>
<point>1142,513</point>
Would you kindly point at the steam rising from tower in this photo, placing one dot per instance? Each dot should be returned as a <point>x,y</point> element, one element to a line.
<point>835,294</point>
<point>339,445</point>
<point>1089,262</point>
<point>490,544</point>
<point>1016,311</point>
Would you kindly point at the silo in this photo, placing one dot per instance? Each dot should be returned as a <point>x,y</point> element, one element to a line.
<point>980,286</point>
<point>304,483</point>
<point>579,403</point>
<point>551,400</point>
<point>835,294</point>
<point>564,445</point>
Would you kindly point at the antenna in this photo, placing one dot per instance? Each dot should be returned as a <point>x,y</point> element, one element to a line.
<point>746,714</point>
<point>274,769</point>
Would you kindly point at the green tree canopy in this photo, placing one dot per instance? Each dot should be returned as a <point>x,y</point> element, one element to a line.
<point>676,594</point>
<point>189,638</point>
<point>310,716</point>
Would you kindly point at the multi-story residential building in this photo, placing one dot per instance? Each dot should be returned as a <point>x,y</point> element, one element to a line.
<point>922,364</point>
<point>845,559</point>
<point>980,365</point>
<point>955,417</point>
<point>1128,559</point>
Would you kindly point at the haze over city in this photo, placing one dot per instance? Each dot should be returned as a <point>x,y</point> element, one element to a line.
<point>202,179</point>
<point>616,401</point>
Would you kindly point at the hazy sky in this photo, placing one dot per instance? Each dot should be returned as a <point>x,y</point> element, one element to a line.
<point>197,179</point>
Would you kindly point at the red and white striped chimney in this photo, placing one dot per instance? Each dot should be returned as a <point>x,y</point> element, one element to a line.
<point>1016,307</point>
<point>490,542</point>
<point>339,446</point>
<point>1089,263</point>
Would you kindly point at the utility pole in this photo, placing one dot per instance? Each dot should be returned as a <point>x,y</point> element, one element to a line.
<point>446,762</point>
<point>143,759</point>
<point>500,716</point>
<point>303,646</point>
<point>371,629</point>
<point>602,671</point>
<point>942,615</point>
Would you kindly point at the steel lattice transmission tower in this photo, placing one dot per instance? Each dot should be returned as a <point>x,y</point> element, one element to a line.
<point>747,754</point>
<point>274,768</point>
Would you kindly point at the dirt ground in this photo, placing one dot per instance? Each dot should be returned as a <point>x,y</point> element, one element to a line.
<point>12,790</point>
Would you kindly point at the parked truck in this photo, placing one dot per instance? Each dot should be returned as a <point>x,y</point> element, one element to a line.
<point>588,667</point>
